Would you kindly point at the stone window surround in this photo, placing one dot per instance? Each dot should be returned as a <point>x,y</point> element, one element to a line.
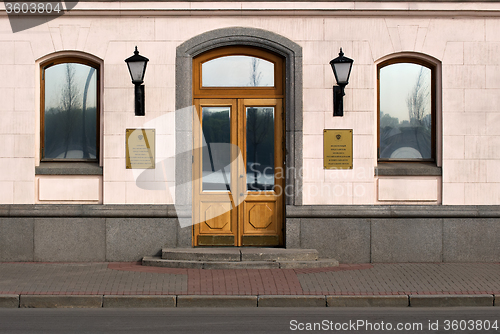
<point>68,168</point>
<point>417,168</point>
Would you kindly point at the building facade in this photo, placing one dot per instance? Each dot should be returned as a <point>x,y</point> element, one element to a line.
<point>233,147</point>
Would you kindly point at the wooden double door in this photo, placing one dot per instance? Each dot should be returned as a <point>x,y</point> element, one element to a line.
<point>238,172</point>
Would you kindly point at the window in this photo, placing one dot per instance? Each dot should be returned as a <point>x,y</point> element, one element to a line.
<point>69,110</point>
<point>406,111</point>
<point>237,71</point>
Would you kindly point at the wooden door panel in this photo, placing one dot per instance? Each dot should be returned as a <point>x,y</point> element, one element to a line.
<point>260,218</point>
<point>216,218</point>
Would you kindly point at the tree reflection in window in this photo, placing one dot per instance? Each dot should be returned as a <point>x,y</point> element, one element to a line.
<point>216,154</point>
<point>70,112</point>
<point>260,148</point>
<point>405,112</point>
<point>235,71</point>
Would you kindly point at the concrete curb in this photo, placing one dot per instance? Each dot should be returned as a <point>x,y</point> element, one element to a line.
<point>451,300</point>
<point>291,301</point>
<point>367,301</point>
<point>58,301</point>
<point>9,301</point>
<point>216,301</point>
<point>139,301</point>
<point>163,301</point>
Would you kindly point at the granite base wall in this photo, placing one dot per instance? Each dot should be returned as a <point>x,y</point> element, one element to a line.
<point>350,234</point>
<point>397,233</point>
<point>54,233</point>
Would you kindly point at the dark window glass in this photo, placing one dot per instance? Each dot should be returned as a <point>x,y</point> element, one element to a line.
<point>217,151</point>
<point>260,148</point>
<point>406,128</point>
<point>70,112</point>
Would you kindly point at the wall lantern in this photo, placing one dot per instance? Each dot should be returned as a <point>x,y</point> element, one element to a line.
<point>341,67</point>
<point>137,67</point>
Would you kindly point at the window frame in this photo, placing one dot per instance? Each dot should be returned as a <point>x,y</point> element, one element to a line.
<point>433,68</point>
<point>75,60</point>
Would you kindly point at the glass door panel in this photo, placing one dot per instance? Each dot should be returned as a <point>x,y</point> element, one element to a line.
<point>260,148</point>
<point>216,154</point>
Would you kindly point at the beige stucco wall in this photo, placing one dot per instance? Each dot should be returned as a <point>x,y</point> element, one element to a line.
<point>462,38</point>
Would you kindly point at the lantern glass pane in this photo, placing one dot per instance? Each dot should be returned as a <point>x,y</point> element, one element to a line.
<point>342,70</point>
<point>137,70</point>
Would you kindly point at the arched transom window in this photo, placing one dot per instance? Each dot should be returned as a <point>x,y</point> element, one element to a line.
<point>238,71</point>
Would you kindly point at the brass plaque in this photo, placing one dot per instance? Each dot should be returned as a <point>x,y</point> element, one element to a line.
<point>140,148</point>
<point>337,149</point>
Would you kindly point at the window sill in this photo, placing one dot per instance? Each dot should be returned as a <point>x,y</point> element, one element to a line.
<point>407,169</point>
<point>68,168</point>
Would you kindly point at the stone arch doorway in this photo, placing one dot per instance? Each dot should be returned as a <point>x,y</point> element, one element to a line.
<point>292,99</point>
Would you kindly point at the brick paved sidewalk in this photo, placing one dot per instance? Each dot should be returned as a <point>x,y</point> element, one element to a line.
<point>361,279</point>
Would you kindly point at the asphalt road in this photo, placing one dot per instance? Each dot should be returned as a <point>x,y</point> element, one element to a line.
<point>249,320</point>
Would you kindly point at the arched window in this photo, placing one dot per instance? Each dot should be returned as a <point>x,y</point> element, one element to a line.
<point>406,110</point>
<point>69,110</point>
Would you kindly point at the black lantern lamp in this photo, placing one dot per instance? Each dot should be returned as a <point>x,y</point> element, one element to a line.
<point>137,67</point>
<point>341,67</point>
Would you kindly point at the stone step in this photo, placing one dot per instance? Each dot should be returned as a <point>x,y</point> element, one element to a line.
<point>190,264</point>
<point>238,258</point>
<point>237,254</point>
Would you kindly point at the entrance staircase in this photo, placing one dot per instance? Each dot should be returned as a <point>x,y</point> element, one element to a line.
<point>239,258</point>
